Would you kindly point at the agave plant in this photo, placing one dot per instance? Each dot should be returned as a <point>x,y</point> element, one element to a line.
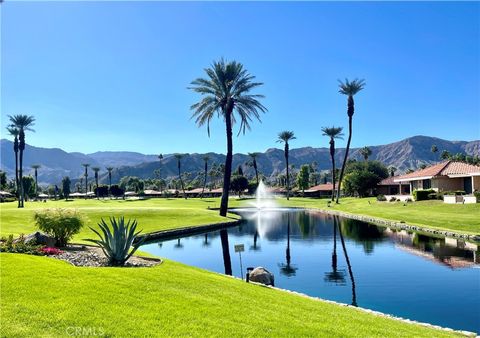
<point>117,241</point>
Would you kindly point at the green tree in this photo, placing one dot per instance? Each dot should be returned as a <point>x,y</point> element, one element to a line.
<point>392,171</point>
<point>66,187</point>
<point>365,152</point>
<point>109,169</point>
<point>434,149</point>
<point>205,158</point>
<point>22,123</point>
<point>13,131</point>
<point>28,186</point>
<point>86,165</point>
<point>254,156</point>
<point>350,89</point>
<point>227,90</point>
<point>445,155</point>
<point>131,183</point>
<point>286,136</point>
<point>362,177</point>
<point>334,133</point>
<point>96,170</point>
<point>179,167</point>
<point>35,167</point>
<point>239,184</point>
<point>3,180</point>
<point>303,178</point>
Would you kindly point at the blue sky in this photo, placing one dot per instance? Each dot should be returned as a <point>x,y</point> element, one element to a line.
<point>114,75</point>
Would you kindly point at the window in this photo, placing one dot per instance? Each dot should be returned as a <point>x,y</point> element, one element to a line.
<point>427,184</point>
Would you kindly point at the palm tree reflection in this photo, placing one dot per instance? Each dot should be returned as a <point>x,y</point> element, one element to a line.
<point>178,245</point>
<point>350,272</point>
<point>335,276</point>
<point>255,247</point>
<point>288,269</point>
<point>205,241</point>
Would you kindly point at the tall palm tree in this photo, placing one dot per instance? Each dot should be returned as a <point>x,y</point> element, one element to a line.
<point>160,159</point>
<point>365,152</point>
<point>226,91</point>
<point>36,167</point>
<point>13,131</point>
<point>333,133</point>
<point>96,170</point>
<point>350,89</point>
<point>109,169</point>
<point>23,123</point>
<point>86,165</point>
<point>179,166</point>
<point>286,136</point>
<point>206,158</point>
<point>254,156</point>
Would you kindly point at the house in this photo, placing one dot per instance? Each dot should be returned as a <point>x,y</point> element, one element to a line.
<point>445,176</point>
<point>321,190</point>
<point>387,186</point>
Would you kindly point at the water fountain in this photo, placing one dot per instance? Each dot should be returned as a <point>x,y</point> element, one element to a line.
<point>263,199</point>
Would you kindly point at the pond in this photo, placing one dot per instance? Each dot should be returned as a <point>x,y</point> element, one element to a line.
<point>410,275</point>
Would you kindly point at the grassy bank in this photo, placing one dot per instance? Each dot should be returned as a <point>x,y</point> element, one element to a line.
<point>42,296</point>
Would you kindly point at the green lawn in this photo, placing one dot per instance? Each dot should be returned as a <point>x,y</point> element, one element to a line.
<point>42,296</point>
<point>152,215</point>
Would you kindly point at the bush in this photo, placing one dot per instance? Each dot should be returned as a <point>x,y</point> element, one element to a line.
<point>477,195</point>
<point>422,195</point>
<point>433,196</point>
<point>460,193</point>
<point>408,200</point>
<point>61,224</point>
<point>392,199</point>
<point>19,246</point>
<point>116,242</point>
<point>116,191</point>
<point>381,198</point>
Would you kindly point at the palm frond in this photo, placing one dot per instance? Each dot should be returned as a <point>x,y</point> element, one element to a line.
<point>351,88</point>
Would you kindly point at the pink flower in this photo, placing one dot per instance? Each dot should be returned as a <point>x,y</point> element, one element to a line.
<point>51,251</point>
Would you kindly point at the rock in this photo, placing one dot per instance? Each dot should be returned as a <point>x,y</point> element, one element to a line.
<point>39,238</point>
<point>262,275</point>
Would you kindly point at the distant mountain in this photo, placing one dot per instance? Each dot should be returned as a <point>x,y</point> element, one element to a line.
<point>56,163</point>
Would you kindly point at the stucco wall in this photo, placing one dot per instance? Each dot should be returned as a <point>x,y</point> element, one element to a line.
<point>476,183</point>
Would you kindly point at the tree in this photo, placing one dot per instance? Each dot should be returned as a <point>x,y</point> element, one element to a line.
<point>445,155</point>
<point>179,166</point>
<point>206,158</point>
<point>13,131</point>
<point>239,183</point>
<point>366,152</point>
<point>3,180</point>
<point>109,169</point>
<point>160,158</point>
<point>334,133</point>
<point>286,136</point>
<point>254,156</point>
<point>96,170</point>
<point>303,178</point>
<point>350,89</point>
<point>28,186</point>
<point>131,183</point>
<point>434,149</point>
<point>22,123</point>
<point>363,177</point>
<point>392,171</point>
<point>226,91</point>
<point>86,165</point>
<point>35,167</point>
<point>66,187</point>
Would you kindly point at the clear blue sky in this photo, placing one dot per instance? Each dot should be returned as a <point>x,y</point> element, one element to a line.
<point>114,75</point>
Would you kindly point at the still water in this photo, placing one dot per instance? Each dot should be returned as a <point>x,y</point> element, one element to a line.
<point>434,280</point>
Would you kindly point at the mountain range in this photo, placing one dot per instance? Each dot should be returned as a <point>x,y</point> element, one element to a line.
<point>55,163</point>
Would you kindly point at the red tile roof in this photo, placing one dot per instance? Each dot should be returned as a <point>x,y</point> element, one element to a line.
<point>321,187</point>
<point>446,168</point>
<point>388,181</point>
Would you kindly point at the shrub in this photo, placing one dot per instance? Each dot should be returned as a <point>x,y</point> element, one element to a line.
<point>381,198</point>
<point>460,192</point>
<point>116,191</point>
<point>61,224</point>
<point>422,195</point>
<point>19,246</point>
<point>117,240</point>
<point>433,196</point>
<point>477,195</point>
<point>408,200</point>
<point>51,251</point>
<point>392,199</point>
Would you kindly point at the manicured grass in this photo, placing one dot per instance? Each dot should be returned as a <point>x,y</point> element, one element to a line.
<point>42,296</point>
<point>464,218</point>
<point>152,215</point>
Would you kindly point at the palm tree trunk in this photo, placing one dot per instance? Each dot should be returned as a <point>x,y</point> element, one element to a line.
<point>288,172</point>
<point>345,158</point>
<point>20,178</point>
<point>332,154</point>
<point>96,183</point>
<point>181,180</point>
<point>205,179</point>
<point>16,173</point>
<point>227,262</point>
<point>350,272</point>
<point>36,184</point>
<point>86,183</point>
<point>256,171</point>
<point>228,165</point>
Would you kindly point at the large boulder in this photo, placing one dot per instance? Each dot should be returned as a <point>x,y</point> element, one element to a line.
<point>262,275</point>
<point>39,238</point>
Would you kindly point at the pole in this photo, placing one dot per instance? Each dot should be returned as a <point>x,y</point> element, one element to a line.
<point>241,267</point>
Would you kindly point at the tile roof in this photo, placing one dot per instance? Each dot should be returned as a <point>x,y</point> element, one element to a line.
<point>446,168</point>
<point>459,168</point>
<point>321,187</point>
<point>388,181</point>
<point>433,170</point>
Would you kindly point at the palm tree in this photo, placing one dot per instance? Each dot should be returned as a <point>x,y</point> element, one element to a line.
<point>36,167</point>
<point>365,152</point>
<point>96,170</point>
<point>179,166</point>
<point>12,130</point>
<point>392,171</point>
<point>434,149</point>
<point>206,158</point>
<point>22,123</point>
<point>333,133</point>
<point>160,158</point>
<point>254,156</point>
<point>350,89</point>
<point>109,169</point>
<point>226,91</point>
<point>86,165</point>
<point>286,136</point>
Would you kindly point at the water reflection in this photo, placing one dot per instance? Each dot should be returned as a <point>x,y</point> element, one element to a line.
<point>288,269</point>
<point>335,276</point>
<point>350,272</point>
